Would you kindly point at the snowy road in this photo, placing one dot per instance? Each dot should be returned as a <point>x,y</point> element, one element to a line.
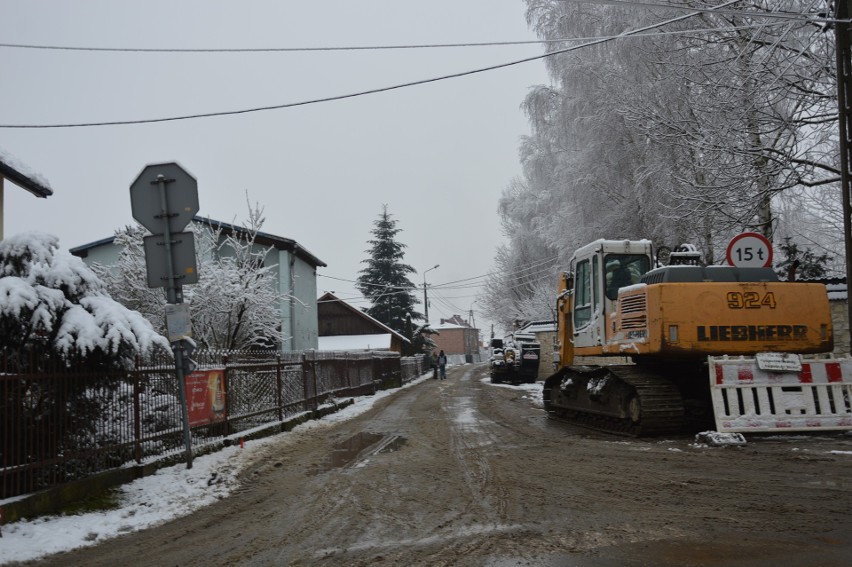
<point>462,472</point>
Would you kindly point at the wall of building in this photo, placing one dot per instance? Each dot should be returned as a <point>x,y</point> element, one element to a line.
<point>298,280</point>
<point>295,277</point>
<point>840,322</point>
<point>547,340</point>
<point>457,340</point>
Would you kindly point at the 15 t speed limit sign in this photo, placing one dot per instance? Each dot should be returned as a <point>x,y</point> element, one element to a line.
<point>749,250</point>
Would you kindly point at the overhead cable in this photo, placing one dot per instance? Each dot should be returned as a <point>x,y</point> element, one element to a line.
<point>606,39</point>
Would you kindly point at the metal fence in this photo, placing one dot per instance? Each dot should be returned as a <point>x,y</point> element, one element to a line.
<point>64,424</point>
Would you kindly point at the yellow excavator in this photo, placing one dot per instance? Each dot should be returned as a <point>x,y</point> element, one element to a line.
<point>654,351</point>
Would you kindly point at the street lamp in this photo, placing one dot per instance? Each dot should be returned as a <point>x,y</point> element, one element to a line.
<point>425,298</point>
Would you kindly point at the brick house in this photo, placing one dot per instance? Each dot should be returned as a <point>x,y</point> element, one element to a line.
<point>456,337</point>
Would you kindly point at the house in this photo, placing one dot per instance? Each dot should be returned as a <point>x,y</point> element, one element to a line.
<point>343,327</point>
<point>457,337</point>
<point>838,302</point>
<point>294,267</point>
<point>545,334</point>
<point>17,173</point>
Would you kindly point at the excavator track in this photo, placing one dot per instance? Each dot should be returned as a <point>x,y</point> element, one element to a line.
<point>624,400</point>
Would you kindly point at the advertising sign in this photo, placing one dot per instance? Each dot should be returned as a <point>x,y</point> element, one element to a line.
<point>205,396</point>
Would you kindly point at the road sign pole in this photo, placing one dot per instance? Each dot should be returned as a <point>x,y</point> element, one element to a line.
<point>174,296</point>
<point>165,210</point>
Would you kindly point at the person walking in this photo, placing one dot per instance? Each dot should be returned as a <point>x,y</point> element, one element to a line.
<point>442,365</point>
<point>435,365</point>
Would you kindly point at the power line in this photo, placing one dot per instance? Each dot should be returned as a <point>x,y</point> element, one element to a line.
<point>391,47</point>
<point>637,32</point>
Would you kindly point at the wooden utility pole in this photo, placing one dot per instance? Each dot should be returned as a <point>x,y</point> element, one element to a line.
<point>844,89</point>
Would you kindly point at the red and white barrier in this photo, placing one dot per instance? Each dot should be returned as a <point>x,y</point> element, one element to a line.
<point>748,399</point>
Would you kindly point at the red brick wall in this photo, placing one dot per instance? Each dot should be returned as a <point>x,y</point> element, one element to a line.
<point>457,341</point>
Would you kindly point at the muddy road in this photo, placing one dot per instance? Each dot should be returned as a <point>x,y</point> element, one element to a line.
<point>461,472</point>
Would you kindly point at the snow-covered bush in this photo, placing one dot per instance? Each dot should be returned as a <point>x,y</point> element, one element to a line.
<point>53,305</point>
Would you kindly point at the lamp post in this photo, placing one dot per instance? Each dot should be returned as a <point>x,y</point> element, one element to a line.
<point>425,298</point>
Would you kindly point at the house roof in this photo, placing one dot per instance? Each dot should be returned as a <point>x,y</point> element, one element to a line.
<point>330,297</point>
<point>262,238</point>
<point>446,326</point>
<point>381,341</point>
<point>538,327</point>
<point>16,173</point>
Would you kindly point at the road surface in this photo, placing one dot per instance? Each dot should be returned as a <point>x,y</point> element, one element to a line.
<point>464,473</point>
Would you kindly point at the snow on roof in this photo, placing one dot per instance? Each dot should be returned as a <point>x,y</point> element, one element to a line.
<point>836,291</point>
<point>15,171</point>
<point>355,342</point>
<point>540,327</point>
<point>449,326</point>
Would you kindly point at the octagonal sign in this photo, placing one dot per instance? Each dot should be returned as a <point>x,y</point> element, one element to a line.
<point>174,198</point>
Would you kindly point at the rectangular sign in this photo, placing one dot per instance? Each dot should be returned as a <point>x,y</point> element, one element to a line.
<point>182,246</point>
<point>206,397</point>
<point>779,362</point>
<point>177,321</point>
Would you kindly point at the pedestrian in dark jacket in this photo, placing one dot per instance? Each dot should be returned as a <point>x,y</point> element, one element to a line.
<point>442,365</point>
<point>435,365</point>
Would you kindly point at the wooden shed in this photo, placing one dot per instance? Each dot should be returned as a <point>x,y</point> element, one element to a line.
<point>344,327</point>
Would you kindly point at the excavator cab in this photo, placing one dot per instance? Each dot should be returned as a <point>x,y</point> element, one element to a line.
<point>600,270</point>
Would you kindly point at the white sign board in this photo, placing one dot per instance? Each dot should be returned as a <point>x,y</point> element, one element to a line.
<point>749,250</point>
<point>779,362</point>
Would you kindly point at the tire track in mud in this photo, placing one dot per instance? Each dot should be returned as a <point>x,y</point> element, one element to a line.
<point>475,440</point>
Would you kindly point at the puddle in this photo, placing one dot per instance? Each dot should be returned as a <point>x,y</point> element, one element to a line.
<point>360,447</point>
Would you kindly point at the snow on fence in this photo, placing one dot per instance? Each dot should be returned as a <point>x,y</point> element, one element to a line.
<point>64,424</point>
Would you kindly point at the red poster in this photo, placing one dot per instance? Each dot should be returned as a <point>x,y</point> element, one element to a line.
<point>205,396</point>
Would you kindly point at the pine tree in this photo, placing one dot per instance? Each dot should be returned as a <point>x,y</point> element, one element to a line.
<point>801,264</point>
<point>385,279</point>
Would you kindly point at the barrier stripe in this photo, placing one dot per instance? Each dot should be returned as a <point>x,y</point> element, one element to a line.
<point>748,399</point>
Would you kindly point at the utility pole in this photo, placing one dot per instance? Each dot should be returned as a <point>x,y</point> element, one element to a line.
<point>425,297</point>
<point>844,89</point>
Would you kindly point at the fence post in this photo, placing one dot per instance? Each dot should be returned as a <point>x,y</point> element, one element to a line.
<point>314,375</point>
<point>305,394</point>
<point>227,387</point>
<point>137,414</point>
<point>278,388</point>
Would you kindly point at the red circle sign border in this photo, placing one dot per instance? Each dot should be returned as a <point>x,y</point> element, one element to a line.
<point>756,235</point>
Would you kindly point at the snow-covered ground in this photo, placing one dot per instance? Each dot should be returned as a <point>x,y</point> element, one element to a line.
<point>170,493</point>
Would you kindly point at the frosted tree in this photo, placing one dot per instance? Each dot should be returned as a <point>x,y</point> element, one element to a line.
<point>235,305</point>
<point>384,281</point>
<point>52,306</point>
<point>723,122</point>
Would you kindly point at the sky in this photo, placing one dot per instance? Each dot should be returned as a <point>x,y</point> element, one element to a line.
<point>438,155</point>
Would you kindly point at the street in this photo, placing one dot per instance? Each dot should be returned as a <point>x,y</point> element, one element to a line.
<point>463,472</point>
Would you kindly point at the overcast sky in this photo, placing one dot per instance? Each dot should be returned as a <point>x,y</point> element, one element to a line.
<point>439,154</point>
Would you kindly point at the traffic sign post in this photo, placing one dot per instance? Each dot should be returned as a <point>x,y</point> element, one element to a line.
<point>749,250</point>
<point>164,198</point>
